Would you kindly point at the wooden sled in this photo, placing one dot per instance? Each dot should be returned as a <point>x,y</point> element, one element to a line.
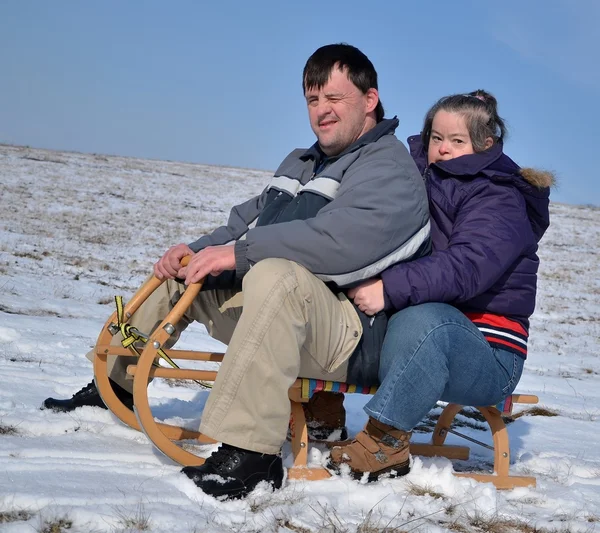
<point>165,436</point>
<point>303,389</point>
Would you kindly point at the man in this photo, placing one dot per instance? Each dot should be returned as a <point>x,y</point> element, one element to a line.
<point>333,216</point>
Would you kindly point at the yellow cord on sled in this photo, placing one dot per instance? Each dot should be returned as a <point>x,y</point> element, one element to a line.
<point>131,335</point>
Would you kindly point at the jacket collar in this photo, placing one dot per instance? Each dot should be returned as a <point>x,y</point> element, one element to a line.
<point>492,162</point>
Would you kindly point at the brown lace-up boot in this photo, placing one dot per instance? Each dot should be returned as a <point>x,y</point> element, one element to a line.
<point>326,417</point>
<point>377,449</point>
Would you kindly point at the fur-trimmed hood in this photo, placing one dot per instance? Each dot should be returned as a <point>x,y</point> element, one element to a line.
<point>538,178</point>
<point>534,185</point>
<point>535,188</point>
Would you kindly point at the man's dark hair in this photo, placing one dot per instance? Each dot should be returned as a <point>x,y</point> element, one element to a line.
<point>361,71</point>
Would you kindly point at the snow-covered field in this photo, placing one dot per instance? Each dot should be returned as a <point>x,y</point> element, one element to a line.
<point>76,229</point>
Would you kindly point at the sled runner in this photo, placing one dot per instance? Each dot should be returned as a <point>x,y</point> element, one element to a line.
<point>149,348</point>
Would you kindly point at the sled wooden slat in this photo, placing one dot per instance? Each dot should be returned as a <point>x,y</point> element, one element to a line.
<point>176,373</point>
<point>500,482</point>
<point>460,453</point>
<point>525,398</point>
<point>189,355</point>
<point>164,436</point>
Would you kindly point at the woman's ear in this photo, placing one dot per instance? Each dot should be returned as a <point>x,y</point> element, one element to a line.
<point>488,142</point>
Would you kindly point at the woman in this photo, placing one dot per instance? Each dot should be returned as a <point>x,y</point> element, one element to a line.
<point>460,328</point>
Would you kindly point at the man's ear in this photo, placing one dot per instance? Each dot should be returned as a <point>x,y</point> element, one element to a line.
<point>488,143</point>
<point>372,99</point>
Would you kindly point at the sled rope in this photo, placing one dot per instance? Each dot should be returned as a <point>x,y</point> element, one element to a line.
<point>131,335</point>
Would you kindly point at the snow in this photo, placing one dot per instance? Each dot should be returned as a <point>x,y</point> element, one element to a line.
<point>77,229</point>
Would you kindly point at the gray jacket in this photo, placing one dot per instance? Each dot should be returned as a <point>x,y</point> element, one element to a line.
<point>344,218</point>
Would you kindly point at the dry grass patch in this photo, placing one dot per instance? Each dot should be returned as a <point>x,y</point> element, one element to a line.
<point>285,523</point>
<point>138,521</point>
<point>465,418</point>
<point>426,490</point>
<point>427,424</point>
<point>58,525</point>
<point>23,359</point>
<point>14,516</point>
<point>8,430</point>
<point>535,411</point>
<point>44,159</point>
<point>373,521</point>
<point>458,527</point>
<point>28,255</point>
<point>371,524</point>
<point>496,524</point>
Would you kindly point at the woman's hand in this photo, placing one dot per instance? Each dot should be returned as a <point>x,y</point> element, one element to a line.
<point>368,297</point>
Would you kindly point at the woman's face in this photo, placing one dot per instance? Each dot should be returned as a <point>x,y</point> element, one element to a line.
<point>449,137</point>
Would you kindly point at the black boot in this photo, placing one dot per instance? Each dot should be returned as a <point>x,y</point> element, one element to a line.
<point>231,472</point>
<point>89,396</point>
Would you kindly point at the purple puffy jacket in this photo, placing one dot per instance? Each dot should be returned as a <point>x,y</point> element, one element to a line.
<point>487,217</point>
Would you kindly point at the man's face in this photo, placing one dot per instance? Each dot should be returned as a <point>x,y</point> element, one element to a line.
<point>339,112</point>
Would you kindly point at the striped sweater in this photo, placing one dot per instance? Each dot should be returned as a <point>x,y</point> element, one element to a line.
<point>501,332</point>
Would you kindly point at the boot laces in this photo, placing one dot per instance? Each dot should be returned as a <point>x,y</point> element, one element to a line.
<point>223,456</point>
<point>91,386</point>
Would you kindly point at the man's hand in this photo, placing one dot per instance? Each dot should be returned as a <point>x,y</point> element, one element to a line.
<point>212,260</point>
<point>368,297</point>
<point>170,263</point>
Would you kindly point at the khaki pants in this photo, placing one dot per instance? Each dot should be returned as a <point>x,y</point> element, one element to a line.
<point>285,323</point>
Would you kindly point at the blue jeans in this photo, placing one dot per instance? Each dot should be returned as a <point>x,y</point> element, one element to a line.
<point>433,352</point>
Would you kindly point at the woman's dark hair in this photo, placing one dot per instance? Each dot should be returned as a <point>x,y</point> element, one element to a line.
<point>480,110</point>
<point>361,71</point>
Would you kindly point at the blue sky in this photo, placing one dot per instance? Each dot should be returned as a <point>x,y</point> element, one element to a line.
<point>220,82</point>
